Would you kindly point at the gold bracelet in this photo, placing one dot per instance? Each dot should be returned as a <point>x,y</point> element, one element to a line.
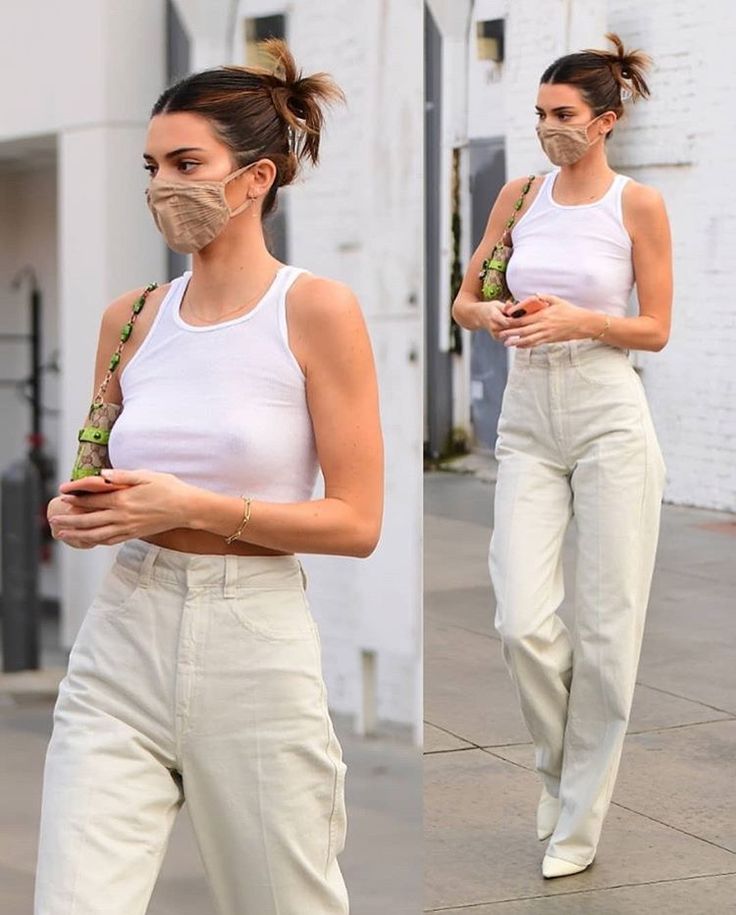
<point>246,519</point>
<point>607,325</point>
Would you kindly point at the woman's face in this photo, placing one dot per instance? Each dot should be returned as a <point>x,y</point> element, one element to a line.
<point>560,104</point>
<point>181,146</point>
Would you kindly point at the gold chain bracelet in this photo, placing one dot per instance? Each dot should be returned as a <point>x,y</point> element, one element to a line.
<point>246,518</point>
<point>607,325</point>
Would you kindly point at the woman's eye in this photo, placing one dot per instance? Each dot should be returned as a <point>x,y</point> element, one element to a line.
<point>182,165</point>
<point>149,168</point>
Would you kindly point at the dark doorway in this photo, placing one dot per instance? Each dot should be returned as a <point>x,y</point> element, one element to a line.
<point>488,357</point>
<point>438,365</point>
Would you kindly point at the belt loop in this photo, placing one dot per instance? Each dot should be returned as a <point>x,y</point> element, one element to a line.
<point>145,570</point>
<point>231,575</point>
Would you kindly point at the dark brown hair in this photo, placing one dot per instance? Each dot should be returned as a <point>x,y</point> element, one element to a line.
<point>602,75</point>
<point>259,112</point>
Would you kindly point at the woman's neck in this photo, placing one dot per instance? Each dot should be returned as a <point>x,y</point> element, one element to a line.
<point>584,180</point>
<point>232,270</point>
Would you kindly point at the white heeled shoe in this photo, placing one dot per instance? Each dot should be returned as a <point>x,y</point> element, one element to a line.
<point>548,812</point>
<point>556,867</point>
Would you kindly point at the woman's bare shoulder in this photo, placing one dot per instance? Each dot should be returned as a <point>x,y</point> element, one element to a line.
<point>321,298</point>
<point>642,197</point>
<point>643,208</point>
<point>511,191</point>
<point>119,310</point>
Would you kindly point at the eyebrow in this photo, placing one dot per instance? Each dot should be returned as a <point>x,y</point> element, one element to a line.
<point>176,152</point>
<point>559,108</point>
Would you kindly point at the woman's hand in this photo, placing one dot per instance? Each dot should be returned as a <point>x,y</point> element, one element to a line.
<point>559,321</point>
<point>151,503</point>
<point>56,512</point>
<point>492,317</point>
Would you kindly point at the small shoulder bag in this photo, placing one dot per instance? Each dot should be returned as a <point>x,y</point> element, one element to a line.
<point>493,270</point>
<point>92,454</point>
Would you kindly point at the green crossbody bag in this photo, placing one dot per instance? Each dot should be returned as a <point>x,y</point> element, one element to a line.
<point>493,271</point>
<point>92,453</point>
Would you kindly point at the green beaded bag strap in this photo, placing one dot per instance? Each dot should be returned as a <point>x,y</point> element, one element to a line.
<point>93,437</point>
<point>493,269</point>
<point>124,334</point>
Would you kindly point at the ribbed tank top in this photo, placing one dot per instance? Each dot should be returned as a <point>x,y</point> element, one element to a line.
<point>580,252</point>
<point>221,406</point>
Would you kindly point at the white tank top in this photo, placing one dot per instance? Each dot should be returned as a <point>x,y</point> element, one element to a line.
<point>221,406</point>
<point>581,252</point>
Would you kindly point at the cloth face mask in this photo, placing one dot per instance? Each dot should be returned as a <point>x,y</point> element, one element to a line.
<point>191,214</point>
<point>565,144</point>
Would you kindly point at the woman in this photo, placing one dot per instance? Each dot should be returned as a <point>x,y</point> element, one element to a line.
<point>575,437</point>
<point>196,674</point>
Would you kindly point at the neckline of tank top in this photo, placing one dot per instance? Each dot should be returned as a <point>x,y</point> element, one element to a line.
<point>196,328</point>
<point>551,178</point>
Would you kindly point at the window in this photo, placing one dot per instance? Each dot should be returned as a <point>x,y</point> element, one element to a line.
<point>489,34</point>
<point>257,28</point>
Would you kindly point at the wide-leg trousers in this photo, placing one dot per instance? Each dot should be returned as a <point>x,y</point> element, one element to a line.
<point>194,678</point>
<point>575,438</point>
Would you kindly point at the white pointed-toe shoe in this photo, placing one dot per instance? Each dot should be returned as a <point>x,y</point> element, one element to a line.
<point>556,867</point>
<point>548,812</point>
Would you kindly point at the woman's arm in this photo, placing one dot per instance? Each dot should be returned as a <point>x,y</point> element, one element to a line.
<point>327,326</point>
<point>469,309</point>
<point>652,260</point>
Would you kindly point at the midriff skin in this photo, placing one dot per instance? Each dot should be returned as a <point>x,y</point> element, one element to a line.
<point>189,541</point>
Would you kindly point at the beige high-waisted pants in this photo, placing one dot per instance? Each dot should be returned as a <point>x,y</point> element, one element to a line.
<point>575,436</point>
<point>194,678</point>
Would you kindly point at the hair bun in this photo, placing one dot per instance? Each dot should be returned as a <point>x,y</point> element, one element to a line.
<point>298,100</point>
<point>297,106</point>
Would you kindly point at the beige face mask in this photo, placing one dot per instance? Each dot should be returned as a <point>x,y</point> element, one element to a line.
<point>191,214</point>
<point>566,144</point>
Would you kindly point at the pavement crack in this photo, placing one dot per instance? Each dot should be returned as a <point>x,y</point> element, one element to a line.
<point>668,692</point>
<point>582,892</point>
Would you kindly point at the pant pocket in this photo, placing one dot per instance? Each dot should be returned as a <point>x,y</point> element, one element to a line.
<point>116,593</point>
<point>273,613</point>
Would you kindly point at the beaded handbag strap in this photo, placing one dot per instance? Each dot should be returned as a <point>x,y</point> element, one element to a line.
<point>517,206</point>
<point>124,334</point>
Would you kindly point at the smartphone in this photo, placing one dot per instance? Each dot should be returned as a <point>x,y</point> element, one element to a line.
<point>86,485</point>
<point>532,305</point>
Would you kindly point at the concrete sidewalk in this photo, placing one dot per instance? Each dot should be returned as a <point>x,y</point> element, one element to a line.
<point>382,858</point>
<point>669,840</point>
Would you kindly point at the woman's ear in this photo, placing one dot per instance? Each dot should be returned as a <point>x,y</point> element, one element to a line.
<point>264,175</point>
<point>610,122</point>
